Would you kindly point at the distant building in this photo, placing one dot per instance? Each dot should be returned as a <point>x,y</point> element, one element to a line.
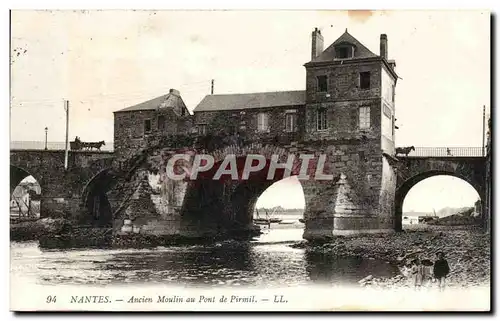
<point>410,220</point>
<point>23,195</point>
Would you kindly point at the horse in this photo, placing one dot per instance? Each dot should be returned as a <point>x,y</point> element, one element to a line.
<point>92,145</point>
<point>404,150</point>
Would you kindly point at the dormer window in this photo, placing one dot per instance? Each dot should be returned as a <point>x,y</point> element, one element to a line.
<point>344,51</point>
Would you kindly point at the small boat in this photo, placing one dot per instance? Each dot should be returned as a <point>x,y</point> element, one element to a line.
<point>301,220</point>
<point>261,221</point>
<point>267,220</point>
<point>287,222</point>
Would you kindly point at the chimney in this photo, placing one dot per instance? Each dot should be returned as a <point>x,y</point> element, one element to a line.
<point>383,46</point>
<point>175,92</point>
<point>317,43</point>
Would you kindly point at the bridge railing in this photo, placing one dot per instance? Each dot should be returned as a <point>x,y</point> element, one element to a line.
<point>40,145</point>
<point>446,152</point>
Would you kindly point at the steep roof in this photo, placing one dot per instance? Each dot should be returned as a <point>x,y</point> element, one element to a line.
<point>170,100</point>
<point>252,100</point>
<point>329,53</point>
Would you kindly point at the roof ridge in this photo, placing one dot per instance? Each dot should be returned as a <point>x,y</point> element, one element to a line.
<point>239,101</point>
<point>145,104</point>
<point>258,92</point>
<point>329,53</point>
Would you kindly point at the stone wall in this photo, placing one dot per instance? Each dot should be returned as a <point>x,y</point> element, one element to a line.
<point>130,136</point>
<point>350,203</point>
<point>129,130</point>
<point>245,121</point>
<point>343,82</point>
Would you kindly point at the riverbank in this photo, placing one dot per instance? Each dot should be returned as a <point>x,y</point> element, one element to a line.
<point>467,250</point>
<point>32,230</point>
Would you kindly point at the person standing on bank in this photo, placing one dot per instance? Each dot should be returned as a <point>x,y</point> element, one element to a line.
<point>417,271</point>
<point>441,270</point>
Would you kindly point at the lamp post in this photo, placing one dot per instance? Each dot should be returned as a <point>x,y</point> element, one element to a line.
<point>46,130</point>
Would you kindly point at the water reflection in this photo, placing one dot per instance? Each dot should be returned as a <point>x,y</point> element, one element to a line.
<point>225,264</point>
<point>328,268</point>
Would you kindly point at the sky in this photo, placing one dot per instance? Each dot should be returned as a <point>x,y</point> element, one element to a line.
<point>103,61</point>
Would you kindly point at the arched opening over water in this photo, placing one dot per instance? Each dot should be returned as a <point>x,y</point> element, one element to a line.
<point>25,194</point>
<point>97,208</point>
<point>434,198</point>
<point>283,204</point>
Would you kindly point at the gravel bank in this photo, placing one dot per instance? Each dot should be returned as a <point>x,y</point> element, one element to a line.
<point>467,250</point>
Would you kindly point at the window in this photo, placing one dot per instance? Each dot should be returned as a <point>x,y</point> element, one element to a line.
<point>393,126</point>
<point>262,122</point>
<point>361,156</point>
<point>364,117</point>
<point>393,92</point>
<point>343,52</point>
<point>322,83</point>
<point>387,111</point>
<point>183,111</point>
<point>161,122</point>
<point>202,129</point>
<point>147,126</point>
<point>364,80</point>
<point>321,119</point>
<point>290,122</point>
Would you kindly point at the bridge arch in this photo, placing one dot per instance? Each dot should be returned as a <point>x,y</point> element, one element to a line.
<point>96,207</point>
<point>17,174</point>
<point>227,202</point>
<point>412,175</point>
<point>27,200</point>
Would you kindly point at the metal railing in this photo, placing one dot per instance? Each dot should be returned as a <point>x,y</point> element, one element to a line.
<point>445,152</point>
<point>39,145</point>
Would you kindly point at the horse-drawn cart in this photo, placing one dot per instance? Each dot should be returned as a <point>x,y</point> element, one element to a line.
<point>77,144</point>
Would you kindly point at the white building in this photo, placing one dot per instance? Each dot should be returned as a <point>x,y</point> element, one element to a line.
<point>410,220</point>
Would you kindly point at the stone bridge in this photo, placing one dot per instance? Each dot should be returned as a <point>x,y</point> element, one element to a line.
<point>206,206</point>
<point>63,192</point>
<point>413,169</point>
<point>105,189</point>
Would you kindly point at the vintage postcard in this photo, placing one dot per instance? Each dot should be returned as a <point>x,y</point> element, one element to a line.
<point>250,160</point>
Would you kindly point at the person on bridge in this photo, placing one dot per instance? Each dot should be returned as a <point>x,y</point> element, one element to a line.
<point>441,270</point>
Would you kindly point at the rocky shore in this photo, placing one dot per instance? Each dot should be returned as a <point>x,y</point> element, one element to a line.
<point>60,234</point>
<point>35,229</point>
<point>467,250</point>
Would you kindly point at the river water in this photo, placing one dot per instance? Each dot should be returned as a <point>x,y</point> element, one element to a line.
<point>267,261</point>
